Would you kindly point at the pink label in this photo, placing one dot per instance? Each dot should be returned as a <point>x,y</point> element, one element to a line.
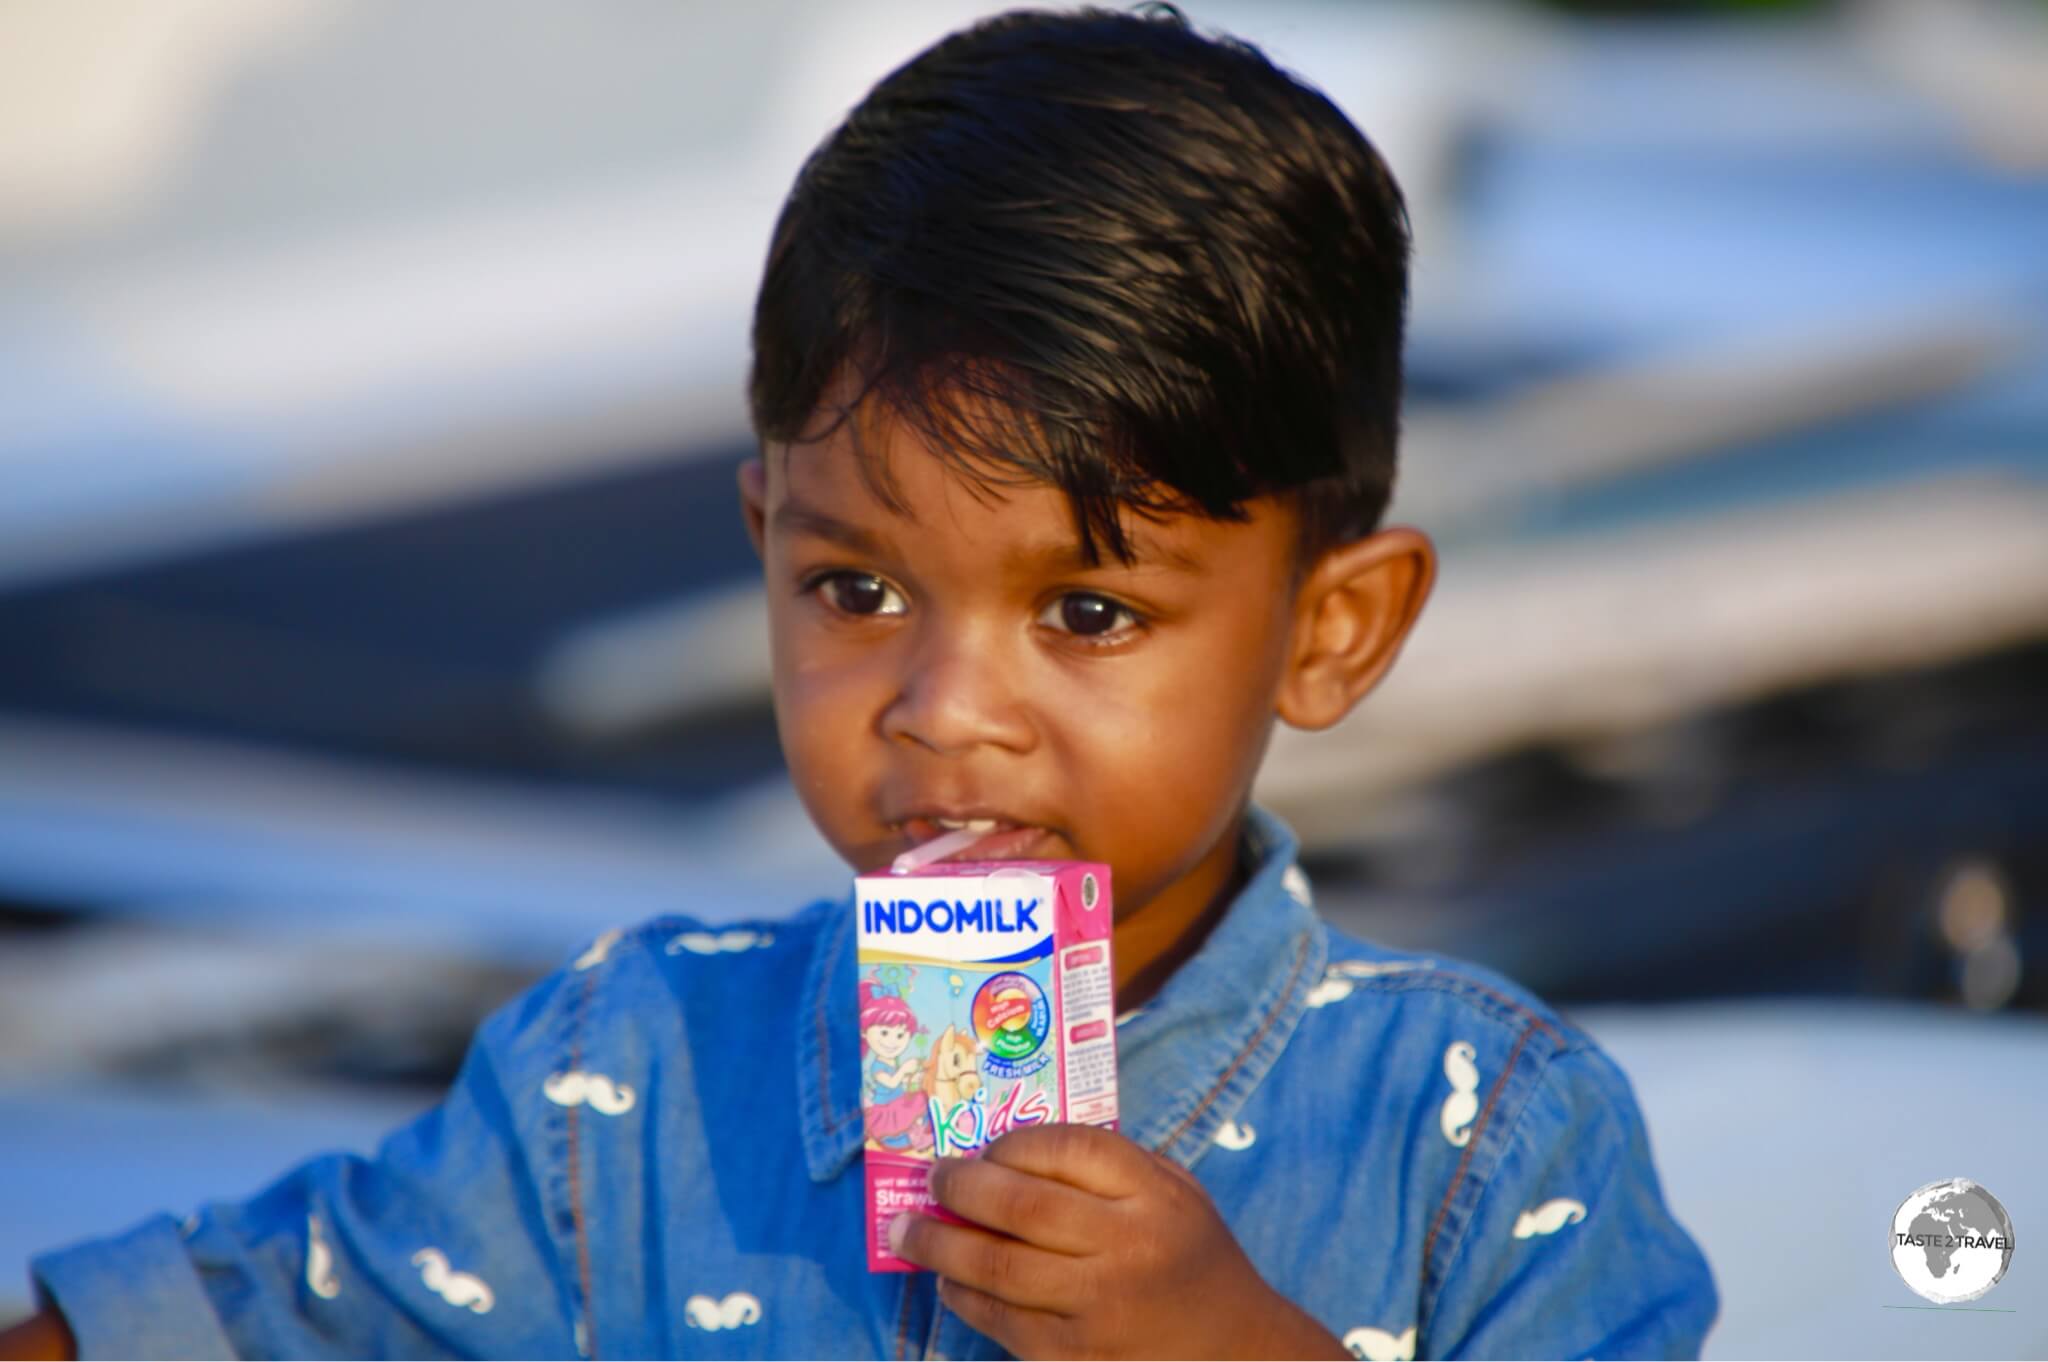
<point>1088,1031</point>
<point>1075,959</point>
<point>893,1188</point>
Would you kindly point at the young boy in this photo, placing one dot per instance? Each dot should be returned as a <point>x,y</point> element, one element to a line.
<point>1077,370</point>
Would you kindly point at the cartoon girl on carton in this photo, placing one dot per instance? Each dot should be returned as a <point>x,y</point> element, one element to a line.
<point>892,1088</point>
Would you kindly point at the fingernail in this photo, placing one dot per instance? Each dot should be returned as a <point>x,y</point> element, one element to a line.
<point>898,1227</point>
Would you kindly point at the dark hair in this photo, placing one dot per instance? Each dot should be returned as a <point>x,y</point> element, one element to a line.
<point>1102,250</point>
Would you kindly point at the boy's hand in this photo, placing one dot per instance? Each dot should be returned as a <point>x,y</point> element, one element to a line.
<point>1086,1245</point>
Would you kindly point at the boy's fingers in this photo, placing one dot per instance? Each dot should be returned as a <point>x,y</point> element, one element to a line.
<point>1088,1157</point>
<point>1013,1272</point>
<point>1047,1214</point>
<point>1013,1326</point>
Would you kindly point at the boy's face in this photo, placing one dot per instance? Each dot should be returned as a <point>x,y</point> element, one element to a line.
<point>959,661</point>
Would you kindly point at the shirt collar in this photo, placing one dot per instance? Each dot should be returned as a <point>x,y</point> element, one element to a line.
<point>1186,1060</point>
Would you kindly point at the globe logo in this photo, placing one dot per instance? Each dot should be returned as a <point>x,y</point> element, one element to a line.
<point>1951,1241</point>
<point>1012,1019</point>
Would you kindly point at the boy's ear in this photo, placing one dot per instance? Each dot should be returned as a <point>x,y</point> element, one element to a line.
<point>754,501</point>
<point>1351,615</point>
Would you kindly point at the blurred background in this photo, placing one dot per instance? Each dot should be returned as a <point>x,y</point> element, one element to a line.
<point>376,628</point>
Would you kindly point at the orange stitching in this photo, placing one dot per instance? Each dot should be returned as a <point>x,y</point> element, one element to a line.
<point>832,1123</point>
<point>903,1321</point>
<point>1409,980</point>
<point>1300,959</point>
<point>931,1341</point>
<point>1535,1021</point>
<point>1478,1128</point>
<point>576,1181</point>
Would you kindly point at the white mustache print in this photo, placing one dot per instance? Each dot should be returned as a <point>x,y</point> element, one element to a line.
<point>735,1310</point>
<point>320,1278</point>
<point>1329,991</point>
<point>1341,977</point>
<point>1550,1217</point>
<point>1232,1135</point>
<point>711,943</point>
<point>1377,1345</point>
<point>575,1088</point>
<point>1296,885</point>
<point>1463,1103</point>
<point>459,1289</point>
<point>599,949</point>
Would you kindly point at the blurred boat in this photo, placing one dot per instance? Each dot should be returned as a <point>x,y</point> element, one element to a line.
<point>434,489</point>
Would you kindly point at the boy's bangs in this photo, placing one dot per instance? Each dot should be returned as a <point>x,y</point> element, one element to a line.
<point>997,429</point>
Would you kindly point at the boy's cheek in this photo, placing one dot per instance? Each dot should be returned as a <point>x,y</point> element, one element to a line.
<point>819,773</point>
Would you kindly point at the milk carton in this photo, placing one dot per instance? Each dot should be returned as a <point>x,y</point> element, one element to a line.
<point>985,1004</point>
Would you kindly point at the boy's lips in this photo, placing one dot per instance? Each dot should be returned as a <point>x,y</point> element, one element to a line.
<point>1005,839</point>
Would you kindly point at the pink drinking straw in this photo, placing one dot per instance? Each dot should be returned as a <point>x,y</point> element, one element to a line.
<point>938,849</point>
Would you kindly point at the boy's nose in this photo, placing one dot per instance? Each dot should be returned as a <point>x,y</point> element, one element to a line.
<point>957,694</point>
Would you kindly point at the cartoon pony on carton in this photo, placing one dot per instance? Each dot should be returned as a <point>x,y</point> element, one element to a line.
<point>955,1072</point>
<point>898,1089</point>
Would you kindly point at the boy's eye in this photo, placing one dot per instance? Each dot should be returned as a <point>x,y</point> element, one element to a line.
<point>1089,616</point>
<point>859,593</point>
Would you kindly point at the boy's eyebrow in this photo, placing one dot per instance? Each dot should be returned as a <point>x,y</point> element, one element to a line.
<point>1067,557</point>
<point>794,517</point>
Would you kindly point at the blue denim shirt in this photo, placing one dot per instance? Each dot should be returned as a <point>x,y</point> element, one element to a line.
<point>654,1153</point>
